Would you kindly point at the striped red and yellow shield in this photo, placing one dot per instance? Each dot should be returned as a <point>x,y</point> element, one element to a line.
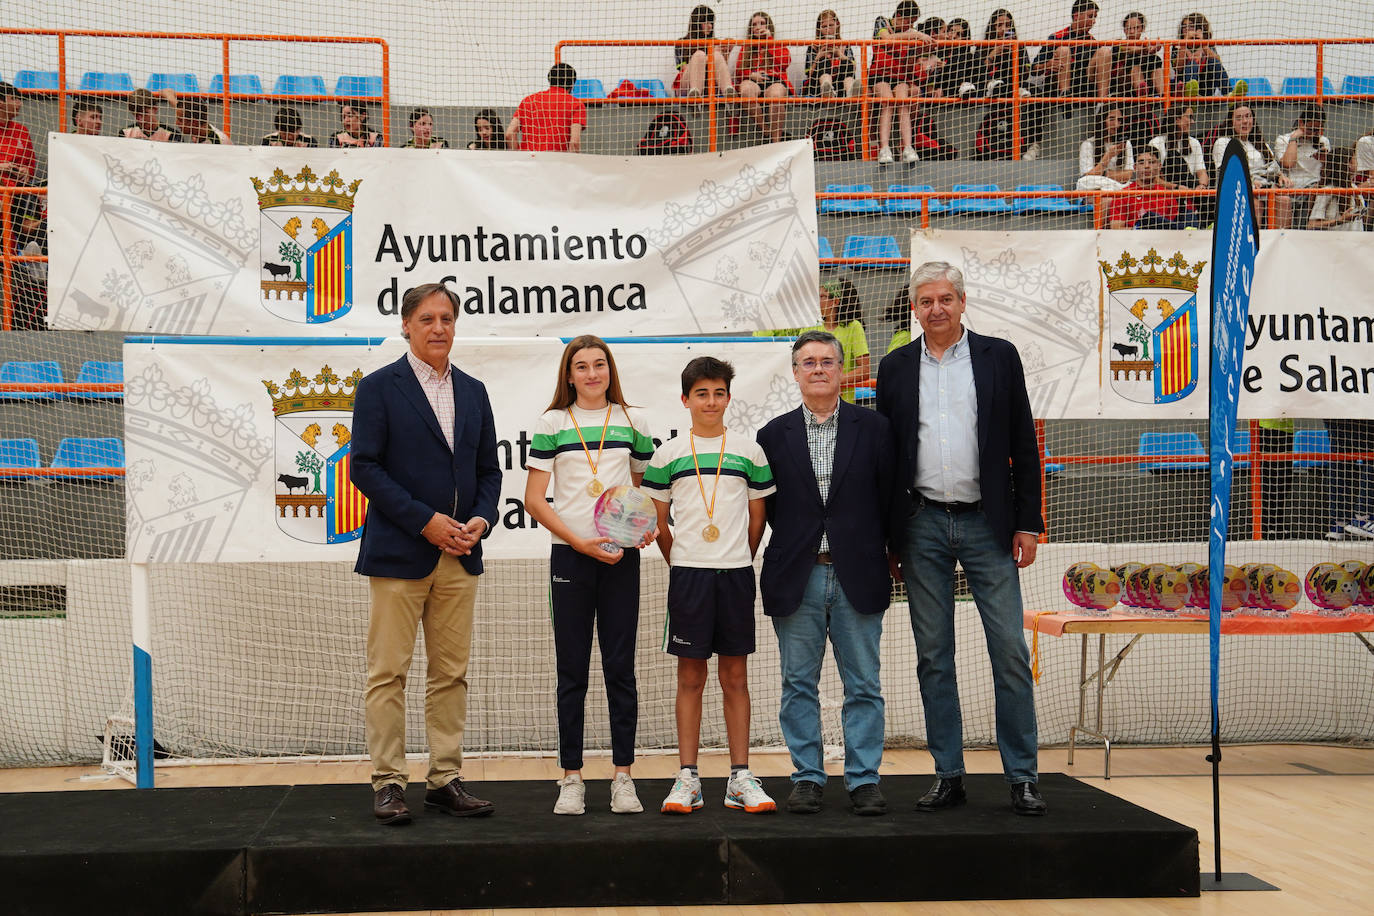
<point>1175,346</point>
<point>329,274</point>
<point>345,505</point>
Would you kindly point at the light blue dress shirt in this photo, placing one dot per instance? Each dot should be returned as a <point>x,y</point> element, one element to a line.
<point>947,431</point>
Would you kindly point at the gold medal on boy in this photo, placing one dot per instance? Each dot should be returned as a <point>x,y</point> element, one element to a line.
<point>710,533</point>
<point>594,488</point>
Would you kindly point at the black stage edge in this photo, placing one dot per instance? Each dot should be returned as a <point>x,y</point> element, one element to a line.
<point>301,849</point>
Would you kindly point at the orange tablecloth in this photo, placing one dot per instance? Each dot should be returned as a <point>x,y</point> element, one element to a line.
<point>1060,624</point>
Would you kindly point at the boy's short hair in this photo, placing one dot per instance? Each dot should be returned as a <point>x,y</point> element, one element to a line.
<point>562,76</point>
<point>81,106</point>
<point>1083,6</point>
<point>907,9</point>
<point>706,367</point>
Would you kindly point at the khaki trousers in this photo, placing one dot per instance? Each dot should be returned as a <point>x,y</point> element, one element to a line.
<point>443,603</point>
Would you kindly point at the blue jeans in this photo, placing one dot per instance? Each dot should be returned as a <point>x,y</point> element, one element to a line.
<point>801,644</point>
<point>935,539</point>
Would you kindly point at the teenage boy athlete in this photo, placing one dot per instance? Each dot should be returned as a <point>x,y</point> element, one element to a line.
<point>715,484</point>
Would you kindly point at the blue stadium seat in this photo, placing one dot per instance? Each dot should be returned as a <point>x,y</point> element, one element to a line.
<point>1357,85</point>
<point>239,83</point>
<point>976,204</point>
<point>872,246</point>
<point>1311,440</point>
<point>588,89</point>
<point>46,80</point>
<point>655,88</point>
<point>912,204</point>
<point>1153,444</point>
<point>180,83</point>
<point>824,249</point>
<point>862,206</point>
<point>44,373</point>
<point>101,81</point>
<point>299,85</point>
<point>1044,204</point>
<point>74,452</point>
<point>1051,467</point>
<point>359,87</point>
<point>1306,85</point>
<point>1257,85</point>
<point>98,371</point>
<point>19,453</point>
<point>1240,445</point>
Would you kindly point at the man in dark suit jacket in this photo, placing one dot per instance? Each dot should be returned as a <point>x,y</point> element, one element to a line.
<point>424,454</point>
<point>966,448</point>
<point>825,570</point>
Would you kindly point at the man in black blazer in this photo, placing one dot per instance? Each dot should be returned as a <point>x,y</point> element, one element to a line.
<point>424,454</point>
<point>967,452</point>
<point>825,570</point>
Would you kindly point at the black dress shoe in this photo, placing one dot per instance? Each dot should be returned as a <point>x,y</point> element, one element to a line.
<point>805,797</point>
<point>945,793</point>
<point>389,805</point>
<point>455,799</point>
<point>868,800</point>
<point>1025,799</point>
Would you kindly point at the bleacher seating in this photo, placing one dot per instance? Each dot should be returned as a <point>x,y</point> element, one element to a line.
<point>180,83</point>
<point>588,89</point>
<point>19,453</point>
<point>655,88</point>
<point>911,204</point>
<point>76,452</point>
<point>46,80</point>
<point>46,372</point>
<point>1311,440</point>
<point>100,372</point>
<point>1044,204</point>
<point>239,83</point>
<point>872,246</point>
<point>1155,444</point>
<point>359,87</point>
<point>979,204</point>
<point>823,248</point>
<point>1257,85</point>
<point>1357,85</point>
<point>863,205</point>
<point>1240,445</point>
<point>1051,467</point>
<point>103,81</point>
<point>1306,85</point>
<point>289,84</point>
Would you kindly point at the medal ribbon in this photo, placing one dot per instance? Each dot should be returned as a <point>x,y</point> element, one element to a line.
<point>720,462</point>
<point>600,448</point>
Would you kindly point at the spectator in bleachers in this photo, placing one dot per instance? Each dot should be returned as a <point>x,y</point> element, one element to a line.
<point>88,118</point>
<point>1139,211</point>
<point>841,315</point>
<point>287,132</point>
<point>143,107</point>
<point>1105,159</point>
<point>1182,163</point>
<point>491,133</point>
<point>193,121</point>
<point>898,315</point>
<point>998,63</point>
<point>963,70</point>
<point>1197,68</point>
<point>551,120</point>
<point>1303,151</point>
<point>1264,168</point>
<point>1345,207</point>
<point>355,132</point>
<point>691,59</point>
<point>829,66</point>
<point>1364,157</point>
<point>931,63</point>
<point>29,279</point>
<point>761,71</point>
<point>1123,71</point>
<point>17,157</point>
<point>422,131</point>
<point>895,74</point>
<point>1064,69</point>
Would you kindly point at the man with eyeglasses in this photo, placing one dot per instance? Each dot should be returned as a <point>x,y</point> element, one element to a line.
<point>966,448</point>
<point>825,571</point>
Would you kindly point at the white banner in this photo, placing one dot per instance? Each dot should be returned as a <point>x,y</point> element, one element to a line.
<point>182,239</point>
<point>1115,324</point>
<point>237,450</point>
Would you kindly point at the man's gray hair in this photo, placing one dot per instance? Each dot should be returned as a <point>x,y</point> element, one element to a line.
<point>933,272</point>
<point>824,337</point>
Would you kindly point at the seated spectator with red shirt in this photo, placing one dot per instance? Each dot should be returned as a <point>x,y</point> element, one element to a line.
<point>551,121</point>
<point>17,159</point>
<point>1141,211</point>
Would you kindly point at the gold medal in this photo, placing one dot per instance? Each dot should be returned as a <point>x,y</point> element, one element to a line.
<point>710,533</point>
<point>594,488</point>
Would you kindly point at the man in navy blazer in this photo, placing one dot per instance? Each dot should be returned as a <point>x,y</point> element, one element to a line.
<point>967,451</point>
<point>825,570</point>
<point>424,454</point>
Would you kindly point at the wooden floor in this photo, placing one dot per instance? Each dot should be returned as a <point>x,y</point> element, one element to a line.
<point>1297,816</point>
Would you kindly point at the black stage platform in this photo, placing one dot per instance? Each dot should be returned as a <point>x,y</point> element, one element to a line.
<point>282,849</point>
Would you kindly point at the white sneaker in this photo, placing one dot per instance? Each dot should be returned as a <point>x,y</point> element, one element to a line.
<point>624,800</point>
<point>909,156</point>
<point>966,89</point>
<point>745,791</point>
<point>1031,152</point>
<point>994,86</point>
<point>685,796</point>
<point>885,156</point>
<point>572,795</point>
<point>1362,527</point>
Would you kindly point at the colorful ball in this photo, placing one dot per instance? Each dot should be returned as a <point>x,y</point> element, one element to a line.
<point>1330,587</point>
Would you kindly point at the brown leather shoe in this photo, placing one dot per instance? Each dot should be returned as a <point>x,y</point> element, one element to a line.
<point>455,799</point>
<point>389,805</point>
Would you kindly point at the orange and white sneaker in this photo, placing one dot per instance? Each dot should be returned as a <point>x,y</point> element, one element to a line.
<point>746,792</point>
<point>685,796</point>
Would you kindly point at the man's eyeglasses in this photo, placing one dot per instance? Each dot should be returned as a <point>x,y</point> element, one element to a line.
<point>829,364</point>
